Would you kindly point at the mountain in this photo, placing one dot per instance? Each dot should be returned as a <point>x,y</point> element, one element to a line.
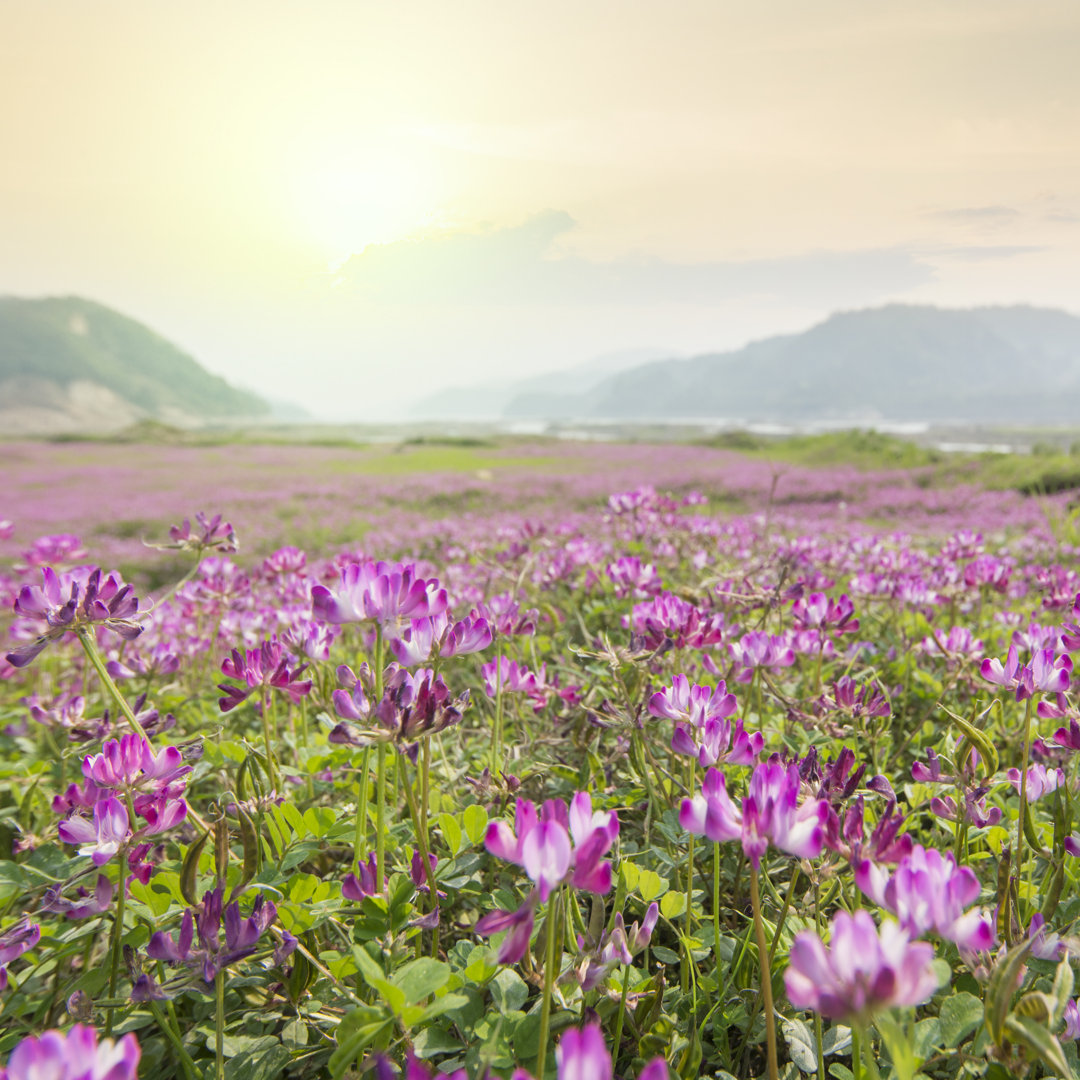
<point>899,362</point>
<point>549,392</point>
<point>68,364</point>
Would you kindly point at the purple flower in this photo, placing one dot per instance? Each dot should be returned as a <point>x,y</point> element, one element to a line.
<point>68,602</point>
<point>817,611</point>
<point>928,893</point>
<point>263,668</point>
<point>1040,781</point>
<point>630,576</point>
<point>520,925</point>
<point>355,887</point>
<point>770,814</point>
<point>436,636</point>
<point>582,1054</point>
<point>241,935</point>
<point>131,762</point>
<point>18,938</point>
<point>862,971</point>
<point>1072,1020</point>
<point>1007,674</point>
<point>101,902</point>
<point>213,532</point>
<point>102,838</point>
<point>74,1055</point>
<point>702,729</point>
<point>758,649</point>
<point>388,593</point>
<point>1045,944</point>
<point>515,678</point>
<point>1047,674</point>
<point>692,704</point>
<point>541,843</point>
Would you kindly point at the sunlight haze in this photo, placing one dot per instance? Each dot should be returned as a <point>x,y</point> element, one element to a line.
<point>348,204</point>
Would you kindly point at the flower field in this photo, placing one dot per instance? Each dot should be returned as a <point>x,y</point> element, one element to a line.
<point>532,760</point>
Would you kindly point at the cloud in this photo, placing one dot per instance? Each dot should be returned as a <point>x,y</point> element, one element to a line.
<point>983,252</point>
<point>989,215</point>
<point>517,266</point>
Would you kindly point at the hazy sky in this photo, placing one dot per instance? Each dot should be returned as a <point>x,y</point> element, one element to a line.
<point>350,204</point>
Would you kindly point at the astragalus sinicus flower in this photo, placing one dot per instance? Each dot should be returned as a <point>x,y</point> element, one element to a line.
<point>73,1055</point>
<point>861,971</point>
<point>770,813</point>
<point>702,729</point>
<point>553,846</point>
<point>71,602</point>
<point>929,893</point>
<point>390,594</point>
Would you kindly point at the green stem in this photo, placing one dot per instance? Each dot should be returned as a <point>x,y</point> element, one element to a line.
<point>766,976</point>
<point>551,932</point>
<point>266,715</point>
<point>86,639</point>
<point>361,804</point>
<point>716,909</point>
<point>685,967</point>
<point>380,771</point>
<point>380,814</point>
<point>420,828</point>
<point>219,1025</point>
<point>185,1058</point>
<point>496,748</point>
<point>117,936</point>
<point>1023,791</point>
<point>622,1015</point>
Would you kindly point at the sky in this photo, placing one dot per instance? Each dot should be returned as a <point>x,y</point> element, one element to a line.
<point>349,205</point>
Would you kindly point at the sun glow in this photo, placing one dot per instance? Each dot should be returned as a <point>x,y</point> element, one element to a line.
<point>366,199</point>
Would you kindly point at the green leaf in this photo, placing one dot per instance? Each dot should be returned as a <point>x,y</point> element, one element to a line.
<point>960,1015</point>
<point>837,1040</point>
<point>509,991</point>
<point>344,1057</point>
<point>438,1006</point>
<point>265,1064</point>
<point>319,820</point>
<point>672,904</point>
<point>435,1040</point>
<point>302,887</point>
<point>295,1033</point>
<point>451,831</point>
<point>475,820</point>
<point>1001,987</point>
<point>1063,988</point>
<point>421,977</point>
<point>1038,1040</point>
<point>651,886</point>
<point>800,1044</point>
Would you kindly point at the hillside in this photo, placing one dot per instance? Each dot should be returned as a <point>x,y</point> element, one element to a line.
<point>68,364</point>
<point>900,362</point>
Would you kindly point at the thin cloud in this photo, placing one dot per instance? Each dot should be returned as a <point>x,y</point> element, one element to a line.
<point>977,214</point>
<point>517,266</point>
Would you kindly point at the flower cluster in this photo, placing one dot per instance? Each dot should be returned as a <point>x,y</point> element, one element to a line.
<point>127,773</point>
<point>770,813</point>
<point>862,971</point>
<point>553,846</point>
<point>73,1055</point>
<point>74,601</point>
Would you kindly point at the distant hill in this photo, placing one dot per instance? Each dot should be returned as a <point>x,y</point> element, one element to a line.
<point>537,395</point>
<point>68,364</point>
<point>900,362</point>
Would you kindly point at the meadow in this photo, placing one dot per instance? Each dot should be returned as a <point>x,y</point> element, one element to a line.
<point>520,758</point>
